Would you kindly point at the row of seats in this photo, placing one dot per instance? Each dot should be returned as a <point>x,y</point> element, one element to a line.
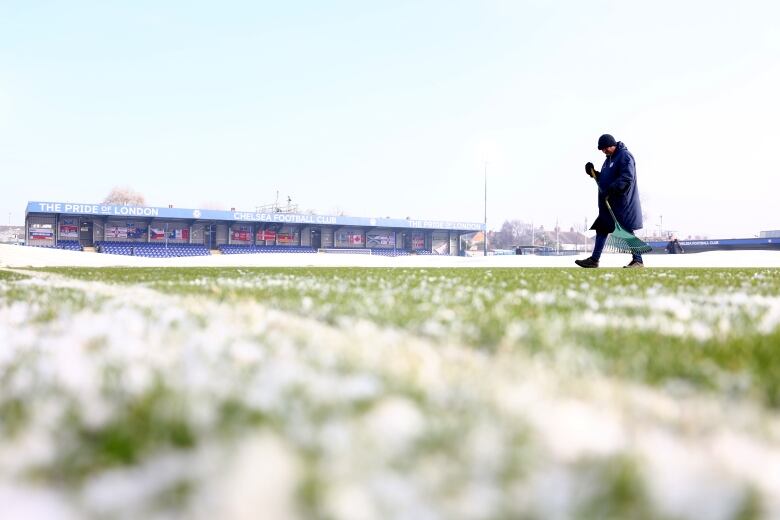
<point>151,250</point>
<point>400,252</point>
<point>347,250</point>
<point>378,251</point>
<point>235,249</point>
<point>70,245</point>
<point>176,250</point>
<point>390,252</point>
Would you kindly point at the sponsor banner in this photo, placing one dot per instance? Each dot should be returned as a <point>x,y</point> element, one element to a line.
<point>380,239</point>
<point>128,231</point>
<point>116,232</point>
<point>41,234</point>
<point>241,234</point>
<point>348,239</point>
<point>266,234</point>
<point>69,231</point>
<point>136,232</point>
<point>285,238</point>
<point>69,228</point>
<point>179,234</point>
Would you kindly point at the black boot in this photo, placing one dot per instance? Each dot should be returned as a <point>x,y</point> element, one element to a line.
<point>587,263</point>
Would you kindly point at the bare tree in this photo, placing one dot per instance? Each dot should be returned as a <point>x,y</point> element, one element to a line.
<point>513,233</point>
<point>124,196</point>
<point>521,231</point>
<point>502,238</point>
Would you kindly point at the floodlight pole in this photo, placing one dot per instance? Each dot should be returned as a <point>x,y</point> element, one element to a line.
<point>486,230</point>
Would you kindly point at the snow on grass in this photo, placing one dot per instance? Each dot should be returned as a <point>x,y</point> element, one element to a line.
<point>710,328</point>
<point>417,393</point>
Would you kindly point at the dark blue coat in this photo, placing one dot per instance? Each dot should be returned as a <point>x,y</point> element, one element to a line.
<point>617,180</point>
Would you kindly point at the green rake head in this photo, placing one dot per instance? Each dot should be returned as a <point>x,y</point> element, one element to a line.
<point>621,241</point>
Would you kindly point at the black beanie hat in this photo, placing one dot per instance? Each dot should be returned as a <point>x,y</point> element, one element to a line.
<point>606,140</point>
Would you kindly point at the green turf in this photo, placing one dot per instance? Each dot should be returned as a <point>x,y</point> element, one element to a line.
<point>117,369</point>
<point>706,329</point>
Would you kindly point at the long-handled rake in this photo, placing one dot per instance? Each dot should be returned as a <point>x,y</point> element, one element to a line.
<point>621,240</point>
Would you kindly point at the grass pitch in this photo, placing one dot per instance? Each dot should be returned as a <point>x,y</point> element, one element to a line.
<point>714,329</point>
<point>390,393</point>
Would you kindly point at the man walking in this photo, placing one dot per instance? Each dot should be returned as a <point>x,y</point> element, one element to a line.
<point>674,246</point>
<point>617,183</point>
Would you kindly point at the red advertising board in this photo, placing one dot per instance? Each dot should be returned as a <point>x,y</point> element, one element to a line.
<point>285,238</point>
<point>266,235</point>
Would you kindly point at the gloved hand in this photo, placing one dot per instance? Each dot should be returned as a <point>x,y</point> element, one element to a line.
<point>591,171</point>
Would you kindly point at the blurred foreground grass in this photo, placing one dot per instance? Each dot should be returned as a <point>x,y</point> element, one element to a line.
<point>391,393</point>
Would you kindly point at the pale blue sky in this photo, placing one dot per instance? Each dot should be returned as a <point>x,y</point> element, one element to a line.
<point>390,108</point>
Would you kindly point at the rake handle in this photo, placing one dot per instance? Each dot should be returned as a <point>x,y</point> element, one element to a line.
<point>606,201</point>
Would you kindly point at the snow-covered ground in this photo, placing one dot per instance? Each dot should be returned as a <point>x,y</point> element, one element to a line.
<point>20,256</point>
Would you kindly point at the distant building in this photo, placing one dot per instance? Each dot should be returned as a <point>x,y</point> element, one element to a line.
<point>60,224</point>
<point>565,240</point>
<point>770,234</point>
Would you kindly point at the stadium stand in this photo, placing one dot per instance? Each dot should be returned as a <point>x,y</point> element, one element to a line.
<point>172,231</point>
